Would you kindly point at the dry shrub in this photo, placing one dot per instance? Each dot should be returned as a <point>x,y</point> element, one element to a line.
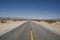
<point>50,21</point>
<point>3,21</point>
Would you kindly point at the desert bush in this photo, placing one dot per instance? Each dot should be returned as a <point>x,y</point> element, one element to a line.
<point>38,20</point>
<point>3,21</point>
<point>14,20</point>
<point>50,21</point>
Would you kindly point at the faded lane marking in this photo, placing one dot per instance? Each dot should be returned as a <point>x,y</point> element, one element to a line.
<point>31,35</point>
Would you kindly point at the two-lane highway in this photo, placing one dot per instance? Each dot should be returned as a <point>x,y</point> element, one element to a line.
<point>30,31</point>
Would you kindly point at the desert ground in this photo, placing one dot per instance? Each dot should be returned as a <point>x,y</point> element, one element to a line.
<point>9,25</point>
<point>54,27</point>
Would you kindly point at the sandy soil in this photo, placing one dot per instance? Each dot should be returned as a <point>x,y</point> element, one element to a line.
<point>54,27</point>
<point>5,27</point>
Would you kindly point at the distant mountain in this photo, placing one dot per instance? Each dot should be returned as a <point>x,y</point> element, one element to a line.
<point>2,18</point>
<point>57,19</point>
<point>9,18</point>
<point>26,18</point>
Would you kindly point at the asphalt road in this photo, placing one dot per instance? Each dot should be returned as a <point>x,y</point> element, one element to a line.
<point>30,31</point>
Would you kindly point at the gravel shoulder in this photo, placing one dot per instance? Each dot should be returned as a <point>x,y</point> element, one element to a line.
<point>54,27</point>
<point>5,27</point>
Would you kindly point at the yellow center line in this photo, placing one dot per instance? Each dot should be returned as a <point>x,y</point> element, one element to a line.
<point>31,34</point>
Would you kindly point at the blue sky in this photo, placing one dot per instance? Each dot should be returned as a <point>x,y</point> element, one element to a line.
<point>40,9</point>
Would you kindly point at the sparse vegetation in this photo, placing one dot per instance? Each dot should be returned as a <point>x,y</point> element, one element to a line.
<point>38,20</point>
<point>50,21</point>
<point>3,21</point>
<point>14,20</point>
